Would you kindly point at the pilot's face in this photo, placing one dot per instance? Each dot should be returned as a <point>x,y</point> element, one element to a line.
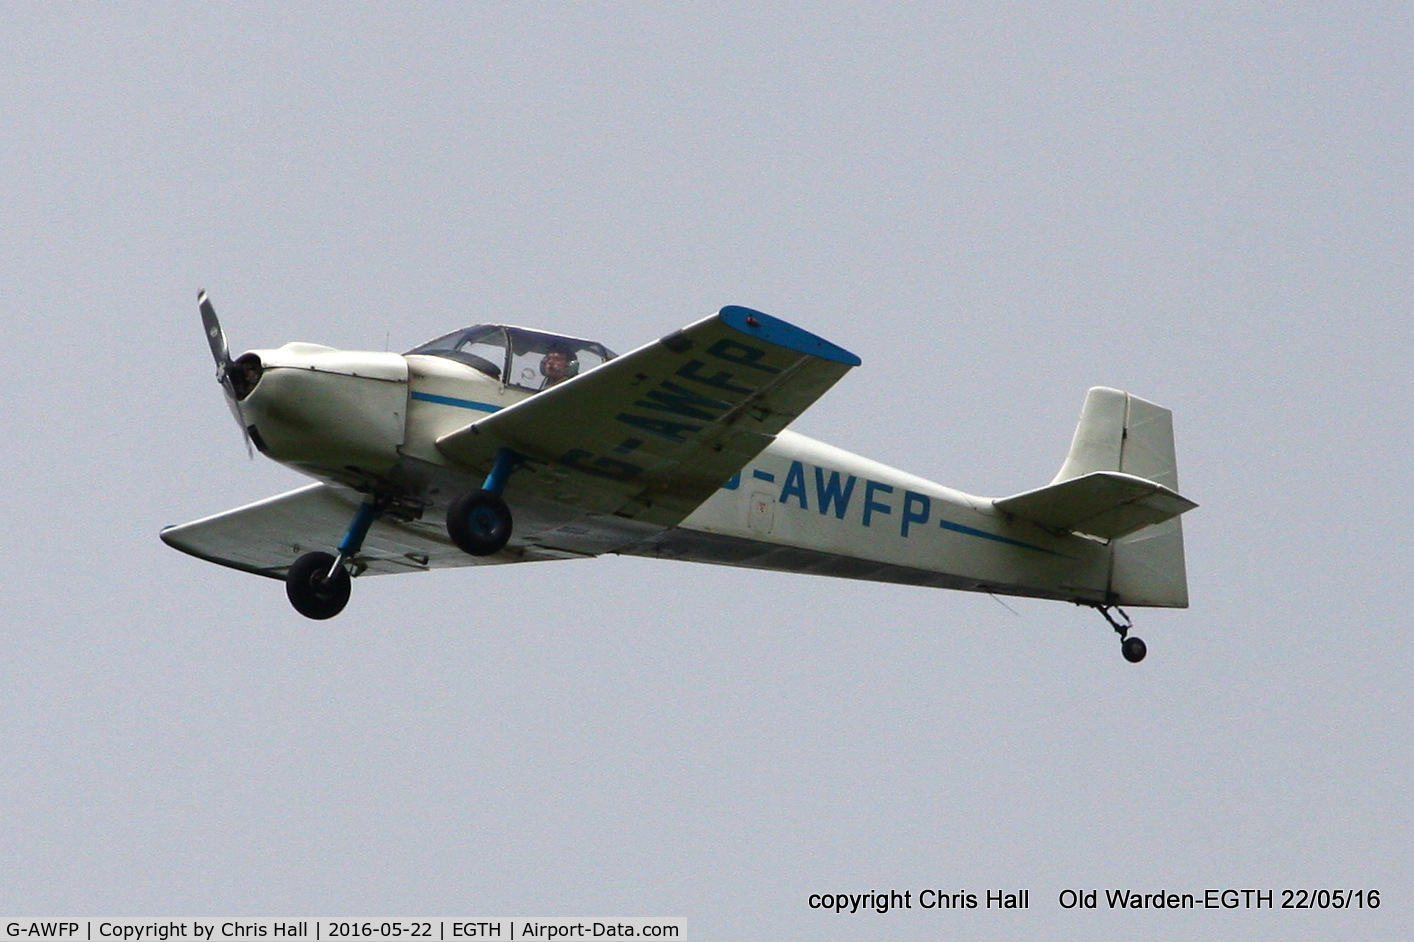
<point>556,366</point>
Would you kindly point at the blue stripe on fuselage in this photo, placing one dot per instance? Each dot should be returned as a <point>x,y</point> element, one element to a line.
<point>969,531</point>
<point>459,403</point>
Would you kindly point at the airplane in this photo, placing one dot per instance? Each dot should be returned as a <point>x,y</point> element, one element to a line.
<point>503,444</point>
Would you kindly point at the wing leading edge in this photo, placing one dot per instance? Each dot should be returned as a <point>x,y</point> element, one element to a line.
<point>652,434</point>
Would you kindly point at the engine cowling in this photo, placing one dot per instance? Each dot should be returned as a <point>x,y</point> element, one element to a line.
<point>329,412</point>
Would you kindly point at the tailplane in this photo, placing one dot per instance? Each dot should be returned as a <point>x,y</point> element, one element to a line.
<point>1119,483</point>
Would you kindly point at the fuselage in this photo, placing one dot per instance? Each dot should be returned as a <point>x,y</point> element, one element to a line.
<point>370,421</point>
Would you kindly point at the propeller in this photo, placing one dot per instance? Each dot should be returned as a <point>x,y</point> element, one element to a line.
<point>221,353</point>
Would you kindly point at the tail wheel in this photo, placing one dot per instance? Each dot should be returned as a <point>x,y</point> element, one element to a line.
<point>1133,649</point>
<point>312,591</point>
<point>479,523</point>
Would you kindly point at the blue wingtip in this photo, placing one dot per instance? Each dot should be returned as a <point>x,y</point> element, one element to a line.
<point>782,334</point>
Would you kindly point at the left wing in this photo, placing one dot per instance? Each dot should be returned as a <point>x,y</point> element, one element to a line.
<point>652,434</point>
<point>266,537</point>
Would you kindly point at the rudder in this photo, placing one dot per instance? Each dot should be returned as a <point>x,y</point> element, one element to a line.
<point>1121,432</point>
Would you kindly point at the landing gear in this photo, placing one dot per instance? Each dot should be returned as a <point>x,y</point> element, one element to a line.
<point>318,586</point>
<point>1133,649</point>
<point>479,523</point>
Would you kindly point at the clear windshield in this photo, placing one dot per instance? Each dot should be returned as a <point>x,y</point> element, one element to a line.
<point>528,359</point>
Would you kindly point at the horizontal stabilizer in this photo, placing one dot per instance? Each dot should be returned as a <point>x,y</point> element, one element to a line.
<point>1104,504</point>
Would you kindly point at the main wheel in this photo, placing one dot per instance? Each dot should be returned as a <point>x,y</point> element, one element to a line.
<point>312,592</point>
<point>479,523</point>
<point>1134,649</point>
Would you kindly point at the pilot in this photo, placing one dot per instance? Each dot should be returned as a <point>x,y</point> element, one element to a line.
<point>557,365</point>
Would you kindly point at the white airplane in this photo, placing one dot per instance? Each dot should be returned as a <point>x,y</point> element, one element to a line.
<point>499,444</point>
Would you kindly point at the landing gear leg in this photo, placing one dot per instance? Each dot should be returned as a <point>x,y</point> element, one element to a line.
<point>318,585</point>
<point>1133,649</point>
<point>479,522</point>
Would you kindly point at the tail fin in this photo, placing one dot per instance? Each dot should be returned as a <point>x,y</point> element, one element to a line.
<point>1120,432</point>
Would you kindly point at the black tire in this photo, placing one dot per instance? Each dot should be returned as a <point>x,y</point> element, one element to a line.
<point>479,523</point>
<point>1134,649</point>
<point>312,592</point>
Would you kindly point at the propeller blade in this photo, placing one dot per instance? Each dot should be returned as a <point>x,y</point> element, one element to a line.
<point>221,353</point>
<point>240,420</point>
<point>214,336</point>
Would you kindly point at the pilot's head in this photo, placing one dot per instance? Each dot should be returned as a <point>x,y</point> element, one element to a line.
<point>558,364</point>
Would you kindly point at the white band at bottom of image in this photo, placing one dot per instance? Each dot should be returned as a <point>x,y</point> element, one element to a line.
<point>308,929</point>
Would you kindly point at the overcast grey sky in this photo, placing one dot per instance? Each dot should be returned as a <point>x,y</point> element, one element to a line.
<point>996,207</point>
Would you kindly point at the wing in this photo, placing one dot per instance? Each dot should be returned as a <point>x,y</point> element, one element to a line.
<point>649,436</point>
<point>268,536</point>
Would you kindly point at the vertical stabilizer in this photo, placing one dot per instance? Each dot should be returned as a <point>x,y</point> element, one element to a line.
<point>1120,432</point>
<point>1098,444</point>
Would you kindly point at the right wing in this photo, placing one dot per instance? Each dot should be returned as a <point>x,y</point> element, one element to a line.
<point>649,436</point>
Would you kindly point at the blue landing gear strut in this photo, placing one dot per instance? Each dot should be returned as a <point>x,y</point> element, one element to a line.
<point>479,522</point>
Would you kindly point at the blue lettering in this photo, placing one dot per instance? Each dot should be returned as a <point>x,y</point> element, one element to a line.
<point>723,381</point>
<point>870,504</point>
<point>733,482</point>
<point>670,397</point>
<point>672,431</point>
<point>741,354</point>
<point>832,493</point>
<point>917,508</point>
<point>795,484</point>
<point>603,467</point>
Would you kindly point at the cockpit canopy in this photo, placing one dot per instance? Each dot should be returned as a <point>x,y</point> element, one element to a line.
<point>529,359</point>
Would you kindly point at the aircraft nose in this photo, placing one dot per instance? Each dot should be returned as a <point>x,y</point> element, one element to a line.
<point>245,374</point>
<point>315,407</point>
